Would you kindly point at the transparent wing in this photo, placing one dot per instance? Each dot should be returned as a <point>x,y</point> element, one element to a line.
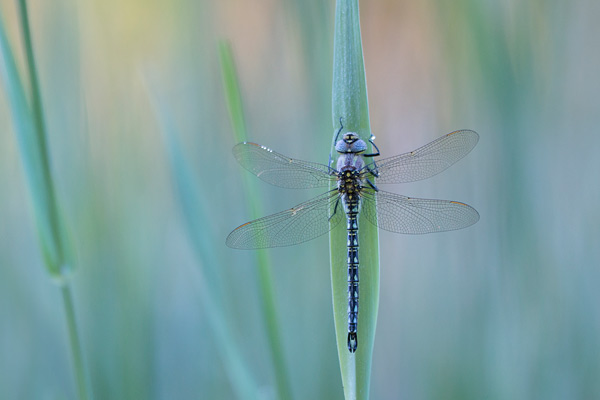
<point>401,214</point>
<point>304,222</point>
<point>280,170</point>
<point>426,161</point>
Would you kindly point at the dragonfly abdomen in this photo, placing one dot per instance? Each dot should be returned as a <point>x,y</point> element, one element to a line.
<point>352,207</point>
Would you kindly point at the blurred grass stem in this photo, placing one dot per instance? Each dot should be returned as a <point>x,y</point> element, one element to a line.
<point>195,211</point>
<point>30,129</point>
<point>40,126</point>
<point>265,277</point>
<point>74,341</point>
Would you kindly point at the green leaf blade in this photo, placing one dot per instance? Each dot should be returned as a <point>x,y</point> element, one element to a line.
<point>350,103</point>
<point>31,139</point>
<point>30,130</point>
<point>265,277</point>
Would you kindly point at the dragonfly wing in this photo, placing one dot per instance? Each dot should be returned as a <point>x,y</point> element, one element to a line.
<point>280,170</point>
<point>304,222</point>
<point>401,214</point>
<point>426,161</point>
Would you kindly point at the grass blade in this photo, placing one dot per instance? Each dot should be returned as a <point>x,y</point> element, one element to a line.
<point>30,131</point>
<point>194,208</point>
<point>265,278</point>
<point>31,138</point>
<point>350,103</point>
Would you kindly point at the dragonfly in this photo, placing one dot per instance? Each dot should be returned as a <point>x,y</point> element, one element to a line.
<point>355,181</point>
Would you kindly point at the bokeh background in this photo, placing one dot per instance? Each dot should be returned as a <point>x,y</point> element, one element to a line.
<point>506,309</point>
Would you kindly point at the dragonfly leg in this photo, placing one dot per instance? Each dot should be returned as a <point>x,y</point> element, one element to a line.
<point>371,140</point>
<point>339,130</point>
<point>335,208</point>
<point>334,142</point>
<point>375,188</point>
<point>373,169</point>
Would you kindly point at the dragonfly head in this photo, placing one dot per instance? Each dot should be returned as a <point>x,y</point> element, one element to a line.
<point>350,143</point>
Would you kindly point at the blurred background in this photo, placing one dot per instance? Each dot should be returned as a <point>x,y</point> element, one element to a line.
<point>506,309</point>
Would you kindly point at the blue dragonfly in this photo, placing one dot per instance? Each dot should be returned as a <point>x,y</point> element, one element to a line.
<point>355,183</point>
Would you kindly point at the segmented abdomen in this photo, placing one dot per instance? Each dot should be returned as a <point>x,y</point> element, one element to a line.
<point>352,207</point>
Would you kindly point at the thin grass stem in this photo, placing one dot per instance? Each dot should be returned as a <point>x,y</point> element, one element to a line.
<point>265,277</point>
<point>195,208</point>
<point>75,343</point>
<point>28,119</point>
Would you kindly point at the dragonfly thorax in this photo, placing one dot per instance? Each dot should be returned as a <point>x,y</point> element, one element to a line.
<point>350,162</point>
<point>349,183</point>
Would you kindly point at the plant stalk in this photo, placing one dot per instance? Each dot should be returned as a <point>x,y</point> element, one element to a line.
<point>36,157</point>
<point>265,276</point>
<point>75,342</point>
<point>350,104</point>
